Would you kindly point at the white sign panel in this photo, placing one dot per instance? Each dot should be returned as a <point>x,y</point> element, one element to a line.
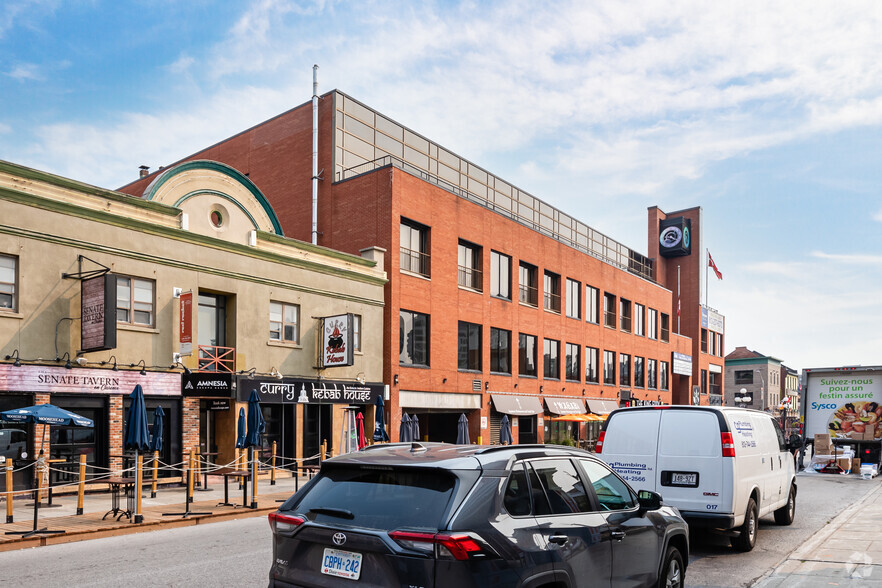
<point>681,364</point>
<point>844,405</point>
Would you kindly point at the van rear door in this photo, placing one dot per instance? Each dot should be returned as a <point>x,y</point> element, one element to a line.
<point>630,439</point>
<point>690,463</point>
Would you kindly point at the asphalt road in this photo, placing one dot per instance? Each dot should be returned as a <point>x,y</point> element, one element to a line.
<point>238,553</point>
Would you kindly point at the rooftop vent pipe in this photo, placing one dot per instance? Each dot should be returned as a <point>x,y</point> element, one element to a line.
<point>145,171</point>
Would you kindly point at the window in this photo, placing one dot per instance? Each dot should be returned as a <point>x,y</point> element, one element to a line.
<point>710,343</point>
<point>609,367</point>
<point>562,485</point>
<point>612,493</point>
<point>715,384</point>
<point>134,301</point>
<point>574,299</point>
<point>8,281</point>
<point>719,338</point>
<point>652,324</point>
<point>551,292</point>
<point>469,356</point>
<point>414,247</point>
<point>665,328</point>
<point>284,322</point>
<point>500,275</point>
<point>592,304</point>
<point>651,373</point>
<point>551,365</point>
<point>703,381</point>
<point>526,355</point>
<point>639,314</point>
<point>639,376</point>
<point>625,312</point>
<point>517,493</point>
<point>591,373</point>
<point>704,340</point>
<point>609,310</point>
<point>624,369</point>
<point>356,332</point>
<point>500,351</point>
<point>413,338</point>
<point>744,376</point>
<point>662,375</point>
<point>469,259</point>
<point>527,289</point>
<point>573,371</point>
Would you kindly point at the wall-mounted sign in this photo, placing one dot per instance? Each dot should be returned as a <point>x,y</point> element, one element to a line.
<point>336,334</point>
<point>59,380</point>
<point>218,404</point>
<point>675,237</point>
<point>202,384</point>
<point>304,391</point>
<point>98,313</point>
<point>711,319</point>
<point>186,332</point>
<point>681,364</point>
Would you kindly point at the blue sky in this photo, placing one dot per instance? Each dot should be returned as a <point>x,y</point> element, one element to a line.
<point>768,115</point>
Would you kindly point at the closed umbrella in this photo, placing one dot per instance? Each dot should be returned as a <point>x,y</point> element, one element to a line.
<point>256,426</point>
<point>404,430</point>
<point>359,418</point>
<point>505,431</point>
<point>462,430</point>
<point>380,434</point>
<point>136,437</point>
<point>414,428</point>
<point>240,429</point>
<point>156,438</point>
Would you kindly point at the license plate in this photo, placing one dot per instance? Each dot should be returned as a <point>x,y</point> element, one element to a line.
<point>680,479</point>
<point>341,564</point>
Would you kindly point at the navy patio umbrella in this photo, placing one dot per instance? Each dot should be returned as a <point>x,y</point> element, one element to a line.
<point>462,430</point>
<point>256,424</point>
<point>156,433</point>
<point>136,436</point>
<point>414,428</point>
<point>380,433</point>
<point>45,414</point>
<point>240,430</point>
<point>404,430</point>
<point>505,431</point>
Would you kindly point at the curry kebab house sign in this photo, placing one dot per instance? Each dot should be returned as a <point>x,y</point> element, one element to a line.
<point>59,380</point>
<point>303,391</point>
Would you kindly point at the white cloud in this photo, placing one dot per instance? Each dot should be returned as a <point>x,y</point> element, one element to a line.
<point>25,71</point>
<point>182,64</point>
<point>850,258</point>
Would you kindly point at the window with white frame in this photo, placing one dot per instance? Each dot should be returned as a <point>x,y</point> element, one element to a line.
<point>662,375</point>
<point>8,282</point>
<point>592,304</point>
<point>639,324</point>
<point>652,324</point>
<point>574,360</point>
<point>469,260</point>
<point>284,322</point>
<point>356,332</point>
<point>574,299</point>
<point>135,301</point>
<point>500,275</point>
<point>591,358</point>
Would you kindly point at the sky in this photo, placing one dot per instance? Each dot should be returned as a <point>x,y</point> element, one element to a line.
<point>768,115</point>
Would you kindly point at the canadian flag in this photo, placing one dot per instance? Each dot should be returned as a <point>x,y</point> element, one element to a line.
<point>710,262</point>
<point>678,307</point>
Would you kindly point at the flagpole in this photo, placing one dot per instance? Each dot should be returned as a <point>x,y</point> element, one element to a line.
<point>678,299</point>
<point>706,284</point>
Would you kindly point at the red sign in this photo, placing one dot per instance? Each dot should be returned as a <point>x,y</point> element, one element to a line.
<point>186,331</point>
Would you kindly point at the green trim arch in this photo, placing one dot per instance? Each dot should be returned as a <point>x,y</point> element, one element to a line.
<point>222,168</point>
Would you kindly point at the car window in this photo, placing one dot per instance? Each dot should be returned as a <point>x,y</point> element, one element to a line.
<point>378,499</point>
<point>517,493</point>
<point>680,430</point>
<point>780,434</point>
<point>563,487</point>
<point>612,493</point>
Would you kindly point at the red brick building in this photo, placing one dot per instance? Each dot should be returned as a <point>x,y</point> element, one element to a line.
<point>496,302</point>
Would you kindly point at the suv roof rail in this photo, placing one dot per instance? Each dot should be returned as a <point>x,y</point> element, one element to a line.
<point>493,448</point>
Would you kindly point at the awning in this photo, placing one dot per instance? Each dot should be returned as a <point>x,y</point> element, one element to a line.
<point>439,400</point>
<point>579,418</point>
<point>602,407</point>
<point>517,405</point>
<point>565,405</point>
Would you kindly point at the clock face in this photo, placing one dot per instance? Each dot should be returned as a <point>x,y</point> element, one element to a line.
<point>670,237</point>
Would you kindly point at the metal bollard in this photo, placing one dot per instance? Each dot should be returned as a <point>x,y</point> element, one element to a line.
<point>190,478</point>
<point>81,488</point>
<point>273,467</point>
<point>139,483</point>
<point>155,474</point>
<point>9,491</point>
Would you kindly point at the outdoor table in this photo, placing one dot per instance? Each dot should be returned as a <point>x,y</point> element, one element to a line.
<point>208,461</point>
<point>115,509</point>
<point>239,474</point>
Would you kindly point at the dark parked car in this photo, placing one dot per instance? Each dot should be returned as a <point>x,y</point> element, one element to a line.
<point>458,516</point>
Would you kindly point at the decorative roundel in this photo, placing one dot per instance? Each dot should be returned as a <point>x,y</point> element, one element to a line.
<point>217,218</point>
<point>672,236</point>
<point>686,237</point>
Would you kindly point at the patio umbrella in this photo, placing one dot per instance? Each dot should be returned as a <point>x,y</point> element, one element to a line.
<point>240,433</point>
<point>380,433</point>
<point>414,428</point>
<point>256,424</point>
<point>137,438</point>
<point>462,430</point>
<point>359,418</point>
<point>156,433</point>
<point>45,414</point>
<point>505,431</point>
<point>404,430</point>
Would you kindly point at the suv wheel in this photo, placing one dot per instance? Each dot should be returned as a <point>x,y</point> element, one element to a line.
<point>746,538</point>
<point>673,572</point>
<point>784,515</point>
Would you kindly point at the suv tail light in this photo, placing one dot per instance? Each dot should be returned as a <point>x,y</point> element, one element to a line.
<point>280,523</point>
<point>728,444</point>
<point>598,447</point>
<point>460,546</point>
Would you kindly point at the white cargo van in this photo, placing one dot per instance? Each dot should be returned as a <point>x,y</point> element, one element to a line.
<point>723,468</point>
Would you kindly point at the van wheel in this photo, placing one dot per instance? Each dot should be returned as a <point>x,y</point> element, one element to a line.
<point>784,515</point>
<point>673,572</point>
<point>746,538</point>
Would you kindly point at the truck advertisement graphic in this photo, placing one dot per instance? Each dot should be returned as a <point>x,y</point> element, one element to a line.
<point>844,402</point>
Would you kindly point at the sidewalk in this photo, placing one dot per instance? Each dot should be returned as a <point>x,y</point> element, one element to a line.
<point>168,500</point>
<point>847,552</point>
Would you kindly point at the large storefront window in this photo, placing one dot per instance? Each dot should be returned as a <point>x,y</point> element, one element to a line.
<point>16,443</point>
<point>69,443</point>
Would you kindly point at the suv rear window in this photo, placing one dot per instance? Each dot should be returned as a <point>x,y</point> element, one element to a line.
<point>379,499</point>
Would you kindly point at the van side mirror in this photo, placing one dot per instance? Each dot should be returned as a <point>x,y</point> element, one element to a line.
<point>649,500</point>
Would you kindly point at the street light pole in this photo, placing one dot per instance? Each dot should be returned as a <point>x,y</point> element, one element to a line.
<point>762,390</point>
